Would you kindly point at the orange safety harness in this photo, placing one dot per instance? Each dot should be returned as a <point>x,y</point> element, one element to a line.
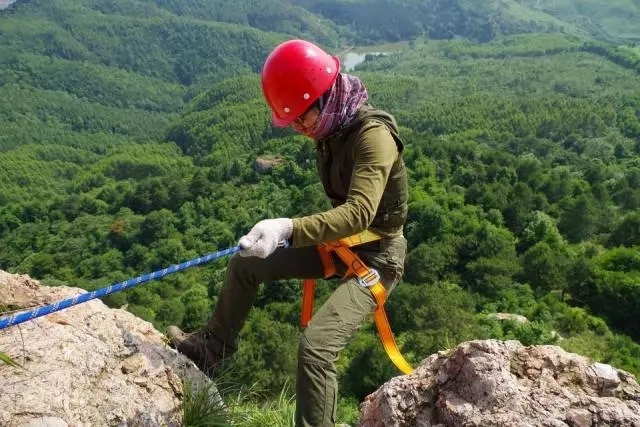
<point>366,277</point>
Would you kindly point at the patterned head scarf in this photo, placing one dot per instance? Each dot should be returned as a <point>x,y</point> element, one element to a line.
<point>345,97</point>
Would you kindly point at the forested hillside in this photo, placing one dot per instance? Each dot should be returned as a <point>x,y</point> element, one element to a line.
<point>131,131</point>
<point>482,20</point>
<point>603,18</point>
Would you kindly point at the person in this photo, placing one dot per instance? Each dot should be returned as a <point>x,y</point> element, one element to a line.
<point>360,164</point>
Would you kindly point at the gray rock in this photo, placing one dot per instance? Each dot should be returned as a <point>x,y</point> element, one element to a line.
<point>502,383</point>
<point>45,422</point>
<point>266,163</point>
<point>88,364</point>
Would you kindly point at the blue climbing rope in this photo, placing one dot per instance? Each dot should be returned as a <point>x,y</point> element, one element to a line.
<point>24,316</point>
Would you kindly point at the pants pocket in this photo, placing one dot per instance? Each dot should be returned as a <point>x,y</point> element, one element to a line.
<point>389,260</point>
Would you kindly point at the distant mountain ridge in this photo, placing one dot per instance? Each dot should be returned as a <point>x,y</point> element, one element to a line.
<point>375,21</point>
<point>482,20</point>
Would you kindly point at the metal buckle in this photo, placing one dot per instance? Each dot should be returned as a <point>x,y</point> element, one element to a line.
<point>371,278</point>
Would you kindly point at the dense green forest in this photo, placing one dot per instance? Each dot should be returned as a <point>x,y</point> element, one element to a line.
<point>131,131</point>
<point>481,20</point>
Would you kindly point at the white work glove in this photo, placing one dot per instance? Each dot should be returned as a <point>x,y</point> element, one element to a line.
<point>265,237</point>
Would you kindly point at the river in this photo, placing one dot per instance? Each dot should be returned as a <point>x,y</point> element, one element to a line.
<point>358,54</point>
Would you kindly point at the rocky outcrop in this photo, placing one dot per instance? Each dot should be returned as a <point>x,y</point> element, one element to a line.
<point>90,365</point>
<point>87,365</point>
<point>496,383</point>
<point>266,163</point>
<point>517,318</point>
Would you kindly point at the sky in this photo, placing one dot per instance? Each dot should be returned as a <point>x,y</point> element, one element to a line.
<point>6,3</point>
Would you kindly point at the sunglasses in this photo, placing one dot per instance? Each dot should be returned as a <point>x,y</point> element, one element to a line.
<point>319,104</point>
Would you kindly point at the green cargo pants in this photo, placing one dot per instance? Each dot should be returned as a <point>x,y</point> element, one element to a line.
<point>329,330</point>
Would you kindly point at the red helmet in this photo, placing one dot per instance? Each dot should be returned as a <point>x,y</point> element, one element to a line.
<point>295,74</point>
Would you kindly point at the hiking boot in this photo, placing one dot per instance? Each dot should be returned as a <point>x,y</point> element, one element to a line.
<point>201,347</point>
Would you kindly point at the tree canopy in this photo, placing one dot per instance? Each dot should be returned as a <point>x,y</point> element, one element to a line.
<point>131,131</point>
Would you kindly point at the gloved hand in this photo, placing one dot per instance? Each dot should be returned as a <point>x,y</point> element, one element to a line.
<point>264,237</point>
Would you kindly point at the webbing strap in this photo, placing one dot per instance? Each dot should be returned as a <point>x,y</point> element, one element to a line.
<point>386,335</point>
<point>308,289</point>
<point>357,239</point>
<point>308,286</point>
<point>367,278</point>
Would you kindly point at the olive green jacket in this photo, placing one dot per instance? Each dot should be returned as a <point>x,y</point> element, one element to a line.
<point>363,174</point>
